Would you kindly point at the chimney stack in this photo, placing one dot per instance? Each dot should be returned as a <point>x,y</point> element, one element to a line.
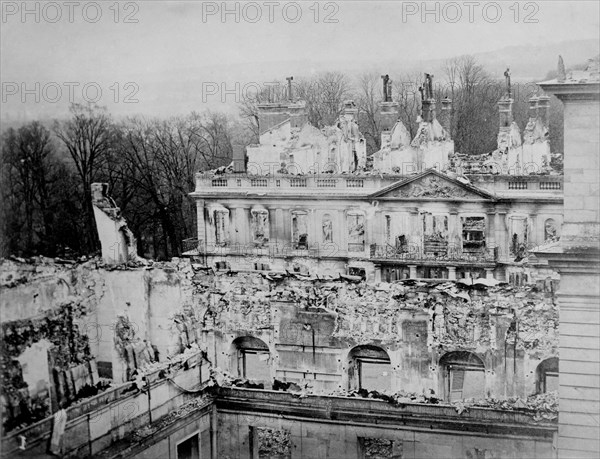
<point>533,107</point>
<point>428,110</point>
<point>350,110</point>
<point>239,158</point>
<point>505,109</point>
<point>270,115</point>
<point>543,109</point>
<point>446,115</point>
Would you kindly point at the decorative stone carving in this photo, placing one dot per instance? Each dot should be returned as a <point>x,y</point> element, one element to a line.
<point>430,187</point>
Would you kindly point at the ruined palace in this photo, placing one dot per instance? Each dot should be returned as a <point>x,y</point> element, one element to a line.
<point>310,201</point>
<point>333,305</point>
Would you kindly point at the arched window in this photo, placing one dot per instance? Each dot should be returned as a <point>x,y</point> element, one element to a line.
<point>369,368</point>
<point>463,376</point>
<point>252,356</point>
<point>547,375</point>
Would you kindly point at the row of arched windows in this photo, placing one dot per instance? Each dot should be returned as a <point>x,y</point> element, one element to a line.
<point>369,367</point>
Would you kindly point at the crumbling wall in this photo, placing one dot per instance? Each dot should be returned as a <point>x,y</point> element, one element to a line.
<point>134,316</point>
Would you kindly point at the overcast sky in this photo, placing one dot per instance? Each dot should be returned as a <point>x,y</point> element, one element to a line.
<point>172,39</point>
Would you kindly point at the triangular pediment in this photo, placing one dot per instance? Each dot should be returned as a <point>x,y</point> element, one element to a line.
<point>432,184</point>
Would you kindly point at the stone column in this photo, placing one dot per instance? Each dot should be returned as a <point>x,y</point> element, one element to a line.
<point>489,273</point>
<point>579,266</point>
<point>454,233</point>
<point>533,237</point>
<point>502,234</point>
<point>451,272</point>
<point>413,271</point>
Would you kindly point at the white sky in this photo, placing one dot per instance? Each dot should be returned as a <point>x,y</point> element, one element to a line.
<point>171,39</point>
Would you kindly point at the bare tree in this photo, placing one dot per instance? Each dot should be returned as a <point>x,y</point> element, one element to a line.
<point>368,96</point>
<point>89,136</point>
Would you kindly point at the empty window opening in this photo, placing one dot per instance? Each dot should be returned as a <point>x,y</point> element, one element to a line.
<point>252,358</point>
<point>300,230</point>
<point>369,368</point>
<point>473,234</point>
<point>463,376</point>
<point>260,226</point>
<point>435,234</point>
<point>356,231</point>
<point>189,449</point>
<point>547,376</point>
<point>360,272</point>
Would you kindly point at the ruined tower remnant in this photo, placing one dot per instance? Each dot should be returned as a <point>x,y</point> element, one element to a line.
<point>117,240</point>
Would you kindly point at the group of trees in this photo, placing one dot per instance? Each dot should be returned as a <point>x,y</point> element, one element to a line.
<point>47,170</point>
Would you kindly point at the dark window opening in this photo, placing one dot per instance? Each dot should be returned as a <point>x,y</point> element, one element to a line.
<point>547,376</point>
<point>189,449</point>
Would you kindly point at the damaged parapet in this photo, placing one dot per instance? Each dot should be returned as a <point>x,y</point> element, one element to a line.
<point>289,144</point>
<point>117,240</point>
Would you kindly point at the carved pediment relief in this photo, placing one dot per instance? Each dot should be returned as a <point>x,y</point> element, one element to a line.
<point>433,186</point>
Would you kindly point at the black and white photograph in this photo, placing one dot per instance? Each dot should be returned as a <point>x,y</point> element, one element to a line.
<point>312,229</point>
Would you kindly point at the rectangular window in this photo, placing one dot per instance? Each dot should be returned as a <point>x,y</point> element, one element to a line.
<point>254,364</point>
<point>221,227</point>
<point>435,234</point>
<point>374,374</point>
<point>466,383</point>
<point>473,234</point>
<point>189,449</point>
<point>300,230</point>
<point>356,232</point>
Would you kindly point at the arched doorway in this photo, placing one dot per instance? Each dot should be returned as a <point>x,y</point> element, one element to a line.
<point>463,376</point>
<point>369,368</point>
<point>252,358</point>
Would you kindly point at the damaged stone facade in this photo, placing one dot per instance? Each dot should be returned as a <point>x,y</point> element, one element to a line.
<point>303,201</point>
<point>309,334</point>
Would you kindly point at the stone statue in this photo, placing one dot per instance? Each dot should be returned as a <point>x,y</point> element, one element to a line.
<point>562,73</point>
<point>387,88</point>
<point>427,86</point>
<point>508,88</point>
